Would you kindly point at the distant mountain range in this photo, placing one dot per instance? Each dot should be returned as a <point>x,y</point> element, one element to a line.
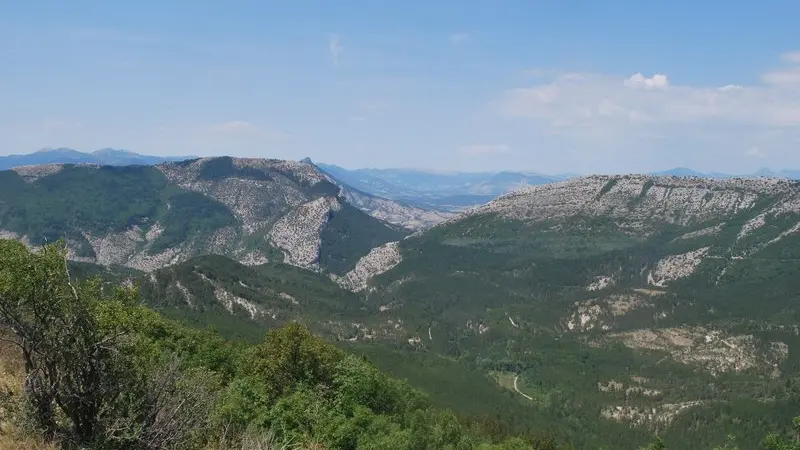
<point>460,190</point>
<point>442,191</point>
<point>632,304</point>
<point>447,192</point>
<point>105,157</point>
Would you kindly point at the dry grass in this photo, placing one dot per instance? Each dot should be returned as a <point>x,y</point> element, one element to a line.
<point>10,439</point>
<point>10,375</point>
<point>10,382</point>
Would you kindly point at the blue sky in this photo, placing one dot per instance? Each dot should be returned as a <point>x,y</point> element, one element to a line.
<point>547,86</point>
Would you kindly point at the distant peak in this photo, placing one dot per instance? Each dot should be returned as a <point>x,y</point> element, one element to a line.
<point>307,160</point>
<point>57,150</point>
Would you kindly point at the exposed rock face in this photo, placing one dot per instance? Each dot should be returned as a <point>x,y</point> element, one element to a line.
<point>408,217</point>
<point>130,249</point>
<point>256,197</point>
<point>644,202</point>
<point>676,267</point>
<point>709,231</point>
<point>33,173</point>
<point>298,232</point>
<point>599,313</point>
<point>378,261</point>
<point>254,206</point>
<point>185,293</point>
<point>601,283</point>
<point>658,416</point>
<point>708,349</point>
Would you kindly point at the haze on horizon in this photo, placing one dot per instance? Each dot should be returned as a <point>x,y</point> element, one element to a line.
<point>548,87</point>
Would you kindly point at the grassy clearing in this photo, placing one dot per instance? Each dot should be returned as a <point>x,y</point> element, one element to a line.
<point>505,379</point>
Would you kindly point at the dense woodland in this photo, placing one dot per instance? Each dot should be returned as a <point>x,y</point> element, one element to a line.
<point>473,320</point>
<point>102,371</point>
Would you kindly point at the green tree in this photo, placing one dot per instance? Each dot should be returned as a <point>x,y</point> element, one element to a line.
<point>774,441</point>
<point>88,381</point>
<point>291,355</point>
<point>657,444</point>
<point>70,340</point>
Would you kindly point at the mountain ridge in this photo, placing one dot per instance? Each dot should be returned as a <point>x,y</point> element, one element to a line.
<point>146,217</point>
<point>105,156</point>
<point>633,303</point>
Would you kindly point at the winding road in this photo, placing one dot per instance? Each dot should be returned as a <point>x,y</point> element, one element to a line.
<point>520,392</point>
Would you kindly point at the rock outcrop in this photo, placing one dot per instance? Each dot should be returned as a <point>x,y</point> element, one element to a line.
<point>378,261</point>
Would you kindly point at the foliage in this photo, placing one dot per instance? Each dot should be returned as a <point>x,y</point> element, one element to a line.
<point>349,235</point>
<point>106,373</point>
<point>88,379</point>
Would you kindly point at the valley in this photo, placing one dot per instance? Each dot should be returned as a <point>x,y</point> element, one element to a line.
<point>602,310</point>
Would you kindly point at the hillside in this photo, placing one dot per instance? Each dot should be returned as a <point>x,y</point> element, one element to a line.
<point>635,304</point>
<point>632,305</point>
<point>662,303</point>
<point>80,368</point>
<point>147,217</point>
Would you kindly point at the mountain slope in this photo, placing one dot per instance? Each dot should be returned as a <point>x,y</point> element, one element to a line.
<point>398,213</point>
<point>643,300</point>
<point>106,156</point>
<point>148,217</point>
<point>631,304</point>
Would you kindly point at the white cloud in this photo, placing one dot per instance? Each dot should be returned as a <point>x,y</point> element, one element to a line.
<point>579,103</point>
<point>755,152</point>
<point>484,150</point>
<point>657,81</point>
<point>791,57</point>
<point>459,38</point>
<point>649,121</point>
<point>788,77</point>
<point>335,48</point>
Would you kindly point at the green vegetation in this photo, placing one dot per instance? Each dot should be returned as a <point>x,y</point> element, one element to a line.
<point>79,203</point>
<point>706,360</point>
<point>107,199</point>
<point>349,235</point>
<point>469,280</point>
<point>190,214</point>
<point>102,372</point>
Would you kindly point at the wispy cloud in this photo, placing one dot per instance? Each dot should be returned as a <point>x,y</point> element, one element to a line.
<point>786,76</point>
<point>484,149</point>
<point>583,101</point>
<point>791,57</point>
<point>657,81</point>
<point>460,38</point>
<point>335,48</point>
<point>755,152</point>
<point>644,117</point>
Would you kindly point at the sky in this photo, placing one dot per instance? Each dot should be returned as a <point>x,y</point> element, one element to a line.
<point>555,86</point>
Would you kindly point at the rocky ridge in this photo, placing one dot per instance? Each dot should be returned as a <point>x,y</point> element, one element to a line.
<point>274,204</point>
<point>409,217</point>
<point>643,202</point>
<point>378,261</point>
